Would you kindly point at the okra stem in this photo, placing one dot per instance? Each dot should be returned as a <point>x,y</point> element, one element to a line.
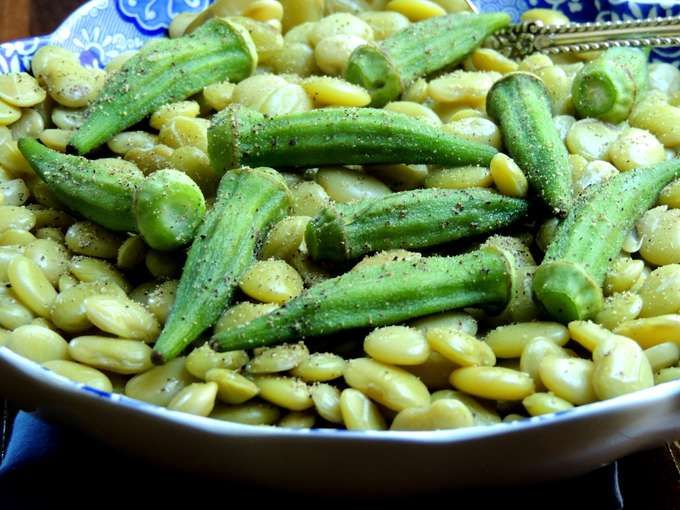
<point>381,295</point>
<point>97,190</point>
<point>410,219</point>
<point>164,71</point>
<point>387,69</point>
<point>248,202</point>
<point>521,104</point>
<point>569,280</point>
<point>347,136</point>
<point>608,86</point>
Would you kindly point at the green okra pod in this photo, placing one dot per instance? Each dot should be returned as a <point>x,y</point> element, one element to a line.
<point>521,105</point>
<point>387,294</point>
<point>410,219</point>
<point>569,280</point>
<point>101,191</point>
<point>387,69</point>
<point>168,208</point>
<point>240,136</point>
<point>248,202</point>
<point>608,86</point>
<point>162,72</point>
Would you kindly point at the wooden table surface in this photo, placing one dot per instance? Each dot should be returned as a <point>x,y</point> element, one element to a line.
<point>650,480</point>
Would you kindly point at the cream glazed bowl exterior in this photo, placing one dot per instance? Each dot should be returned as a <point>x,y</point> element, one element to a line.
<point>321,460</point>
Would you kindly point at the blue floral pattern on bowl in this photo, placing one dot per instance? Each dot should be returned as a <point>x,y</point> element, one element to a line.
<point>102,29</point>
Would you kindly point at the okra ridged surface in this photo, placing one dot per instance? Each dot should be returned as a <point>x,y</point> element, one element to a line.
<point>263,245</point>
<point>349,136</point>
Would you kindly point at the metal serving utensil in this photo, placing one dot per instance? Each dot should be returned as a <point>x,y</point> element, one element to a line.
<point>526,38</point>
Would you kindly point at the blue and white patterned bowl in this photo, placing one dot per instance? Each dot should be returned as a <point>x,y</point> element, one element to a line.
<point>102,29</point>
<point>331,461</point>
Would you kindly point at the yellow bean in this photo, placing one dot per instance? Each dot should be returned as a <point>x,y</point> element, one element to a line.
<point>635,148</point>
<point>481,414</point>
<point>588,334</point>
<point>161,299</point>
<point>14,192</point>
<point>320,367</point>
<point>7,253</point>
<point>285,238</point>
<point>416,10</point>
<point>13,161</point>
<point>441,414</point>
<point>46,217</point>
<point>381,258</point>
<point>545,403</point>
<point>558,85</point>
<point>508,177</point>
<point>309,198</point>
<point>219,95</point>
<point>400,177</point>
<point>326,400</point>
<point>622,275</point>
<point>487,59</point>
<point>416,92</point>
<point>124,142</point>
<point>38,344</point>
<point>569,378</point>
<point>178,25</point>
<point>131,252</point>
<point>435,372</point>
<point>203,359</point>
<point>13,313</point>
<point>651,331</point>
<point>160,384</point>
<point>116,355</point>
<point>670,195</point>
<point>80,373</point>
<point>31,124</point>
<point>196,164</point>
<point>31,285</point>
<point>251,413</point>
<point>618,308</point>
<point>232,387</point>
<point>533,354</point>
<point>621,367</point>
<point>48,54</point>
<point>447,320</point>
<point>460,348</point>
<point>90,239</point>
<point>384,23</point>
<point>656,115</point>
<point>181,131</point>
<point>122,317</point>
<point>68,310</point>
<point>493,382</point>
<point>50,234</point>
<point>332,53</point>
<point>340,23</point>
<point>667,375</point>
<point>169,111</point>
<point>14,237</point>
<point>476,129</point>
<point>664,77</point>
<point>89,269</point>
<point>663,355</point>
<point>17,218</point>
<point>295,58</point>
<point>278,359</point>
<point>660,231</point>
<point>513,417</point>
<point>297,420</point>
<point>593,173</point>
<point>8,114</point>
<point>563,124</point>
<point>197,399</point>
<point>344,185</point>
<point>358,412</point>
<point>21,90</point>
<point>591,139</point>
<point>242,313</point>
<point>71,84</point>
<point>415,110</point>
<point>152,159</point>
<point>286,392</point>
<point>392,387</point>
<point>660,293</point>
<point>463,87</point>
<point>271,281</point>
<point>509,341</point>
<point>544,17</point>
<point>460,178</point>
<point>298,12</point>
<point>398,345</point>
<point>66,281</point>
<point>50,256</point>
